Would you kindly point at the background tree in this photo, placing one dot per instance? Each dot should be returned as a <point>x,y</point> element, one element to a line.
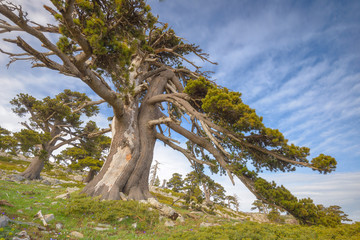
<point>157,182</point>
<point>176,182</point>
<point>260,206</point>
<point>7,142</point>
<point>153,173</point>
<point>154,84</point>
<point>233,200</point>
<point>193,193</point>
<point>52,123</point>
<point>90,153</point>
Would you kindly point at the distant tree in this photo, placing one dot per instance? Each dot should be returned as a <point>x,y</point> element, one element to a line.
<point>89,153</point>
<point>260,206</point>
<point>157,182</point>
<point>154,83</point>
<point>232,200</point>
<point>7,142</point>
<point>153,172</point>
<point>52,123</point>
<point>176,182</point>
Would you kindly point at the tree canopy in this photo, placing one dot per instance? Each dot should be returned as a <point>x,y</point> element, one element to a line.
<point>144,71</point>
<point>52,124</point>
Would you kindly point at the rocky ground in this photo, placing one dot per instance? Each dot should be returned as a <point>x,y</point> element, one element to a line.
<point>57,186</point>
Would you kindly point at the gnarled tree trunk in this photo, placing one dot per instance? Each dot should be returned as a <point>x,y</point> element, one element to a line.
<point>34,169</point>
<point>90,176</point>
<point>127,166</point>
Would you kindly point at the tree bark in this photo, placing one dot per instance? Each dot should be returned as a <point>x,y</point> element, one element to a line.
<point>127,166</point>
<point>34,169</point>
<point>90,176</point>
<point>207,195</point>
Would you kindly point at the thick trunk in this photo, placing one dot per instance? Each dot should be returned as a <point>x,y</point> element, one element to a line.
<point>127,167</point>
<point>90,176</point>
<point>34,169</point>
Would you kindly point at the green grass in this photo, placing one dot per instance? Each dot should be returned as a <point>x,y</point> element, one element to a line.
<point>9,164</point>
<point>83,214</point>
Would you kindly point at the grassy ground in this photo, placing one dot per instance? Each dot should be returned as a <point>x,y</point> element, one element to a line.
<point>83,214</point>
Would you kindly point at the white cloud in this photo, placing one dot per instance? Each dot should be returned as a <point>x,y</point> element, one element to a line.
<point>171,161</point>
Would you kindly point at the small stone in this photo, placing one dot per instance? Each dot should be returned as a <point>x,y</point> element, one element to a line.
<point>17,178</point>
<point>169,224</point>
<point>21,236</point>
<point>49,217</point>
<point>71,190</point>
<point>63,196</point>
<point>104,225</point>
<point>4,220</point>
<point>134,225</point>
<point>180,219</point>
<point>122,219</point>
<point>205,224</point>
<point>53,203</point>
<point>100,229</point>
<point>59,226</point>
<point>20,211</point>
<point>78,178</point>
<point>46,182</point>
<point>77,234</point>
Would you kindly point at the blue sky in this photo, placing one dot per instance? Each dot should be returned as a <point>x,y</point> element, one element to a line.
<point>296,62</point>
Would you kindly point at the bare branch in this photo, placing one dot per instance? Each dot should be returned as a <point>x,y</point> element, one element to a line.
<point>9,28</point>
<point>88,103</point>
<point>161,120</point>
<point>98,133</point>
<point>186,153</point>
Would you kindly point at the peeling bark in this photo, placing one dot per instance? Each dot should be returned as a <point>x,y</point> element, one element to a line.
<point>127,167</point>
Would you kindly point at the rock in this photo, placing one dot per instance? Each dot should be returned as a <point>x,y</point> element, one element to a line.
<point>20,211</point>
<point>164,209</point>
<point>71,190</point>
<point>77,178</point>
<point>59,226</point>
<point>100,229</point>
<point>123,196</point>
<point>180,219</point>
<point>153,202</point>
<point>104,225</point>
<point>121,219</point>
<point>77,234</point>
<point>63,196</point>
<point>17,178</point>
<point>169,212</point>
<point>49,217</point>
<point>205,224</point>
<point>134,225</point>
<point>46,182</point>
<point>21,236</point>
<point>196,212</point>
<point>53,203</point>
<point>4,220</point>
<point>169,224</point>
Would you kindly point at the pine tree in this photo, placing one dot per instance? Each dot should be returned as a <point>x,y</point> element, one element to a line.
<point>150,88</point>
